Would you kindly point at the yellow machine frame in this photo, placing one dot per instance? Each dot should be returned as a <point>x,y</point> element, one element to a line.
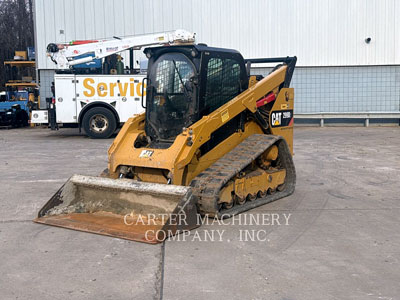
<point>182,160</point>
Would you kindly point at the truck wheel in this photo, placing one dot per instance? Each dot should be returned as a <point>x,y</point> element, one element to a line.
<point>99,123</point>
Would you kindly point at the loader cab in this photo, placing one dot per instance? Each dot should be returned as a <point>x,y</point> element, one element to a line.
<point>186,83</point>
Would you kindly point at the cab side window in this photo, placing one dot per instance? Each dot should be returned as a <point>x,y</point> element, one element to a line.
<point>222,82</point>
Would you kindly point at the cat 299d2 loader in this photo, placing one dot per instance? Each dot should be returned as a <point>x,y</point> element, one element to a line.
<point>214,141</point>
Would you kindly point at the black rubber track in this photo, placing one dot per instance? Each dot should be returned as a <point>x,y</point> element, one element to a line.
<point>208,184</point>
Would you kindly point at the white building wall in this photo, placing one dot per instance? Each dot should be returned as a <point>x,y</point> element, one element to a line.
<point>318,32</point>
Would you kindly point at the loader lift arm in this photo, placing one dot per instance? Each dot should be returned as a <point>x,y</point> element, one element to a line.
<point>202,130</point>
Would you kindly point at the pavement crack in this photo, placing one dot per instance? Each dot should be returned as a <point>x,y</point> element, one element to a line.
<point>14,221</point>
<point>307,227</point>
<point>160,275</point>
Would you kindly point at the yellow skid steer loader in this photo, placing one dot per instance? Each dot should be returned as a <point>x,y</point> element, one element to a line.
<point>214,141</point>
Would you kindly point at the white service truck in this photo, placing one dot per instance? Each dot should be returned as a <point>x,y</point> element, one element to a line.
<point>99,103</point>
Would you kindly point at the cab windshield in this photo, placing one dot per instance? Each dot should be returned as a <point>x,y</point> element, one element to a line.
<point>172,105</point>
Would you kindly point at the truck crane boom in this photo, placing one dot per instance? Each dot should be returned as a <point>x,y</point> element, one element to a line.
<point>65,56</point>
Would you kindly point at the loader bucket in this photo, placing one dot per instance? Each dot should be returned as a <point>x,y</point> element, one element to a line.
<point>122,208</point>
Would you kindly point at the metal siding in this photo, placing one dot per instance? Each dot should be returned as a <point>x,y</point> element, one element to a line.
<point>89,20</point>
<point>119,16</point>
<point>319,32</point>
<point>40,37</point>
<point>109,19</point>
<point>167,21</point>
<point>149,13</point>
<point>59,24</point>
<point>48,9</point>
<point>345,89</point>
<point>70,16</point>
<point>396,30</point>
<point>99,19</point>
<point>138,18</point>
<point>158,15</point>
<point>129,16</point>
